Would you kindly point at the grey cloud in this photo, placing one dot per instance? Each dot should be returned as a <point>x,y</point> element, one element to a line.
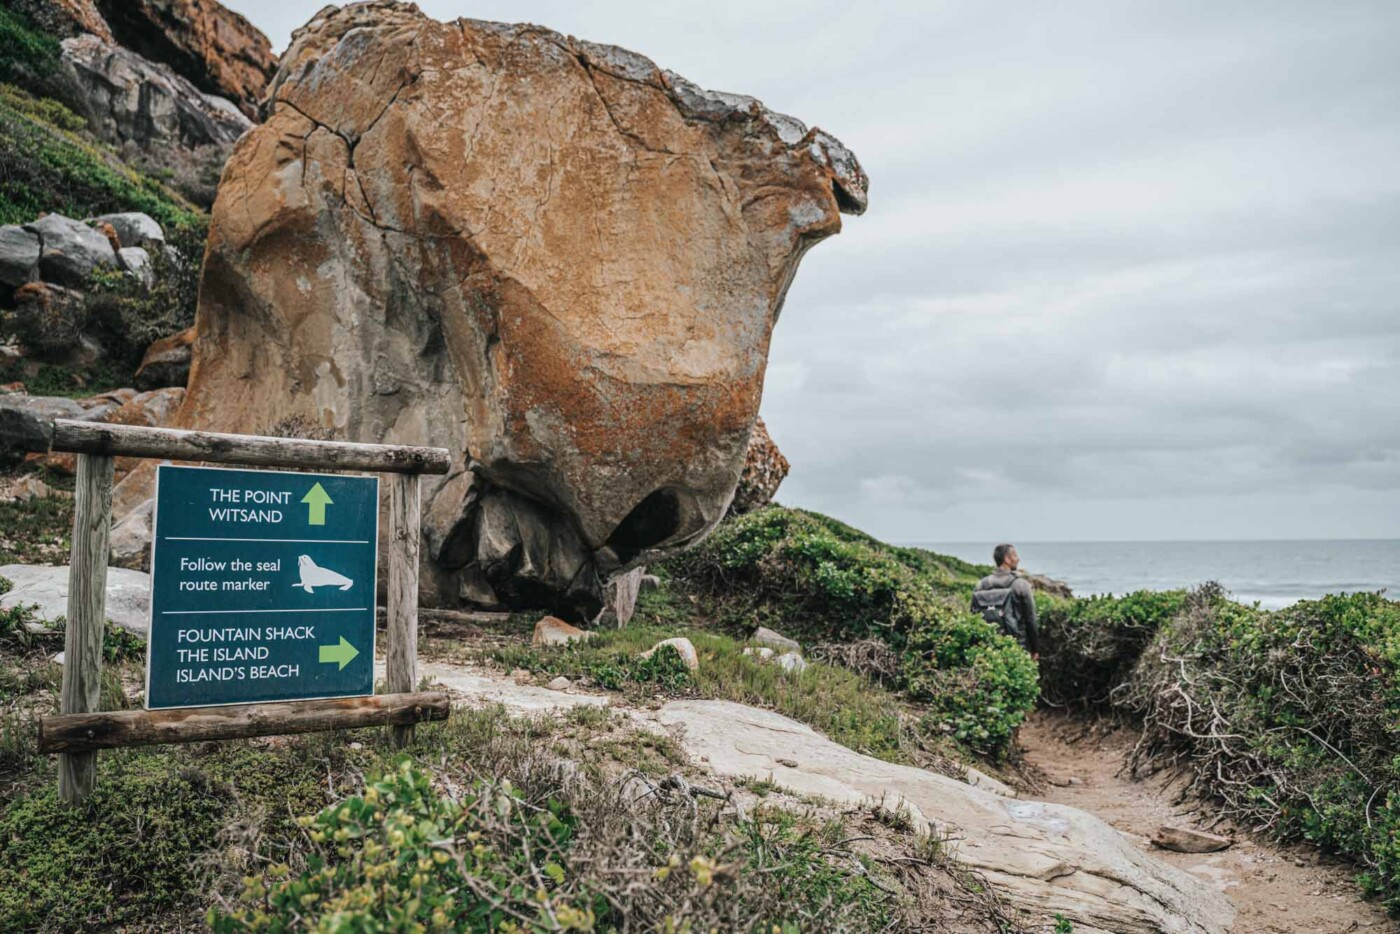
<point>1129,269</point>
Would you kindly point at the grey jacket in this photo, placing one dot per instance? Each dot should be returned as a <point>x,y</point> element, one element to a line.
<point>1024,596</point>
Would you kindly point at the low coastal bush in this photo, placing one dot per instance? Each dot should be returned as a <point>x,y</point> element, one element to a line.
<point>1089,645</point>
<point>52,166</point>
<point>816,579</point>
<point>1289,718</point>
<point>548,854</point>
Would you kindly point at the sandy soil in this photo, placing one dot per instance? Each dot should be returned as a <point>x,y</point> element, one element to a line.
<point>1278,890</point>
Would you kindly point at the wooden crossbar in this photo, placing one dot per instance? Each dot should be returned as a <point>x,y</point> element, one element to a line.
<point>249,450</point>
<point>109,729</point>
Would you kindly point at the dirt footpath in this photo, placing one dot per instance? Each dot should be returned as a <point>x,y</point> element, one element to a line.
<point>1278,890</point>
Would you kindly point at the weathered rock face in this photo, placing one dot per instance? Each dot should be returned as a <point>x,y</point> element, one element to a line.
<point>217,50</point>
<point>546,255</point>
<point>128,99</point>
<point>765,467</point>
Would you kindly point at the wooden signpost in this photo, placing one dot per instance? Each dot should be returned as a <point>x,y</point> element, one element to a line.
<point>286,549</point>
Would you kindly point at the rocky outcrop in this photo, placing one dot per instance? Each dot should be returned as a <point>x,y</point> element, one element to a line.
<point>215,49</point>
<point>167,361</point>
<point>548,255</point>
<point>765,467</point>
<point>63,18</point>
<point>69,250</point>
<point>128,99</point>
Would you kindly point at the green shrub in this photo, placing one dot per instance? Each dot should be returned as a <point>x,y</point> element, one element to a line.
<point>1290,718</point>
<point>126,317</point>
<point>978,683</point>
<point>401,857</point>
<point>28,56</point>
<point>818,580</point>
<point>125,852</point>
<point>50,167</point>
<point>494,856</point>
<point>1089,645</point>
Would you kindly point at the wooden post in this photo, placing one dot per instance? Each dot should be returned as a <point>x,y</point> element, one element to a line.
<point>405,529</point>
<point>87,614</point>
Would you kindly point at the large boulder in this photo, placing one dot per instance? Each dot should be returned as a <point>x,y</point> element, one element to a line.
<point>547,255</point>
<point>45,590</point>
<point>128,99</point>
<point>69,250</point>
<point>214,48</point>
<point>765,467</point>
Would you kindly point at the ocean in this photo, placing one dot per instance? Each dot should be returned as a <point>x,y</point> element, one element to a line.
<point>1273,573</point>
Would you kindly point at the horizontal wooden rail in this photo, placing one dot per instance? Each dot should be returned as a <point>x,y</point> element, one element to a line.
<point>83,732</point>
<point>247,450</point>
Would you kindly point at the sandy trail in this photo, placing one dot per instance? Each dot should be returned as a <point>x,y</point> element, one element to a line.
<point>1278,890</point>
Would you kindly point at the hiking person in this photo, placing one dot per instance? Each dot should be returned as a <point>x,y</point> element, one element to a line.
<point>1004,599</point>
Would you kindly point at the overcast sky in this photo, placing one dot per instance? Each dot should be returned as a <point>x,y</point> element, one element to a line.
<point>1131,270</point>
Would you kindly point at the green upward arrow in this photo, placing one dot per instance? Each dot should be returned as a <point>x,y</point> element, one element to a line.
<point>316,500</point>
<point>345,653</point>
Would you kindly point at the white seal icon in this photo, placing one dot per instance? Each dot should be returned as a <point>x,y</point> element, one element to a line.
<point>313,576</point>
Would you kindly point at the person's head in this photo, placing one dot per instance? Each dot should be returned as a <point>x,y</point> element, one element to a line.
<point>1005,557</point>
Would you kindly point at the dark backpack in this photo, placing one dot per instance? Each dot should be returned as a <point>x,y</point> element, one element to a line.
<point>997,606</point>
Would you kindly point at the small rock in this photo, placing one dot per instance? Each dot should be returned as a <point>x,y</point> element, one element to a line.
<point>791,662</point>
<point>1185,840</point>
<point>137,262</point>
<point>790,763</point>
<point>649,582</point>
<point>57,658</point>
<point>130,543</point>
<point>560,683</point>
<point>760,652</point>
<point>682,645</point>
<point>1073,780</point>
<point>133,228</point>
<point>19,255</point>
<point>26,422</point>
<point>357,745</point>
<point>71,250</point>
<point>765,636</point>
<point>31,487</point>
<point>167,361</point>
<point>554,631</point>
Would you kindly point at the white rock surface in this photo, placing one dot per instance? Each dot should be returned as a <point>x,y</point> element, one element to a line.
<point>1045,858</point>
<point>682,645</point>
<point>133,228</point>
<point>128,593</point>
<point>776,640</point>
<point>791,662</point>
<point>480,689</point>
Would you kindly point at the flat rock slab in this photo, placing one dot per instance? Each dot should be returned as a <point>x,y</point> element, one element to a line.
<point>46,587</point>
<point>480,689</point>
<point>1048,859</point>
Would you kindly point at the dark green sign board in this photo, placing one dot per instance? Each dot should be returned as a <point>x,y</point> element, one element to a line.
<point>262,587</point>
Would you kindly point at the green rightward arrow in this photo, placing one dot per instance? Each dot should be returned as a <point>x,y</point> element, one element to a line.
<point>345,653</point>
<point>316,500</point>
